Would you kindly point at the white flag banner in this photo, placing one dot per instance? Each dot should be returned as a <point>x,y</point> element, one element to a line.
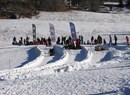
<point>52,32</point>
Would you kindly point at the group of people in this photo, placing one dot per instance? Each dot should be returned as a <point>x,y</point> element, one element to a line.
<point>70,43</point>
<point>115,40</point>
<point>26,41</point>
<point>100,40</point>
<point>96,41</point>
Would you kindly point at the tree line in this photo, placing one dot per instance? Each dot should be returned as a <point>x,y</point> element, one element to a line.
<point>28,8</point>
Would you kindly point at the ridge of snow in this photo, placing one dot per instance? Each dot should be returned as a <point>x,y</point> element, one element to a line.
<point>37,61</point>
<point>31,66</point>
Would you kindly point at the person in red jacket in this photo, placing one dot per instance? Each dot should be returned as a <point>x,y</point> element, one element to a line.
<point>127,40</point>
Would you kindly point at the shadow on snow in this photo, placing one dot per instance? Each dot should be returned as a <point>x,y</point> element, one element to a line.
<point>124,91</point>
<point>107,57</point>
<point>59,52</point>
<point>81,56</point>
<point>33,53</point>
<point>55,58</point>
<point>110,92</point>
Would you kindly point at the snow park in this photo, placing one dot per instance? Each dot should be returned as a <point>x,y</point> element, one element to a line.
<point>89,54</point>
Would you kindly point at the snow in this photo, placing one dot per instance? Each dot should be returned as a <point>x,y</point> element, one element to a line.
<point>28,70</point>
<point>111,3</point>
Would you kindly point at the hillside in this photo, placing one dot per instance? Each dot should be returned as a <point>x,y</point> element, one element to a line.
<point>28,70</point>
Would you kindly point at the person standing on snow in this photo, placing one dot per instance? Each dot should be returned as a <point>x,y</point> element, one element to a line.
<point>115,38</point>
<point>92,39</point>
<point>99,39</point>
<point>110,41</point>
<point>49,41</point>
<point>14,41</point>
<point>82,39</point>
<point>127,40</point>
<point>104,41</point>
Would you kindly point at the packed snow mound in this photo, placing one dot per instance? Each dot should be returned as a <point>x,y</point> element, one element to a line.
<point>17,56</point>
<point>59,54</point>
<point>36,60</point>
<point>76,64</point>
<point>81,55</point>
<point>107,57</point>
<point>111,54</point>
<point>60,65</point>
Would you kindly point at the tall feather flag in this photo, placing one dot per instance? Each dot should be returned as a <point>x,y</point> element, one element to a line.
<point>73,31</point>
<point>52,32</point>
<point>34,32</point>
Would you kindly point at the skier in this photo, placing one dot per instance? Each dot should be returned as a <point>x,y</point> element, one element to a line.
<point>127,40</point>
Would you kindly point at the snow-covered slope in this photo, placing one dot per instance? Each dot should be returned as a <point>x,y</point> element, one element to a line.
<point>28,70</point>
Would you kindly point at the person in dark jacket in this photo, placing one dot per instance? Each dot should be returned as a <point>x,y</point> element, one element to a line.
<point>127,40</point>
<point>58,40</point>
<point>115,38</point>
<point>110,40</point>
<point>82,39</point>
<point>27,40</point>
<point>104,41</point>
<point>52,52</point>
<point>92,39</point>
<point>42,41</point>
<point>49,41</point>
<point>99,39</point>
<point>14,41</point>
<point>21,41</point>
